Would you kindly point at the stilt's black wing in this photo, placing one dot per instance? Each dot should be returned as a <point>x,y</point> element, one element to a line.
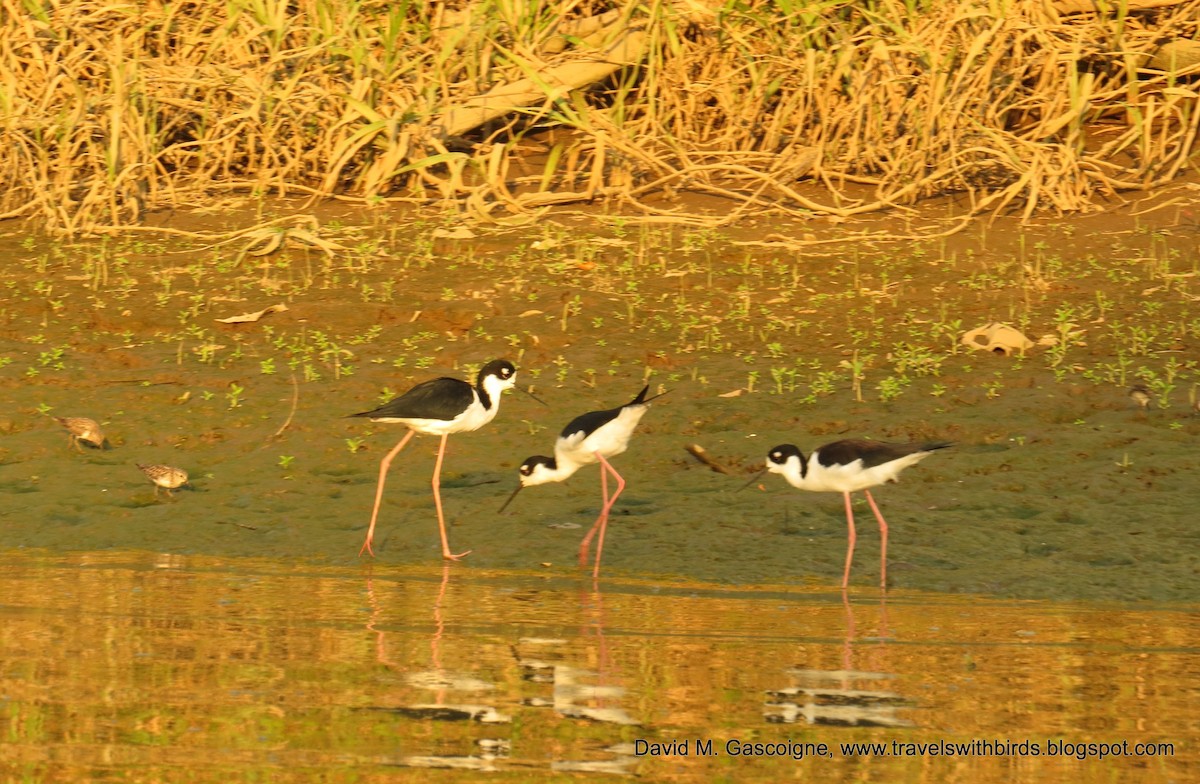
<point>871,453</point>
<point>594,420</point>
<point>439,398</point>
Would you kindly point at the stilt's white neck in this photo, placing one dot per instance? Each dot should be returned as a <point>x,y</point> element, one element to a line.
<point>793,470</point>
<point>490,388</point>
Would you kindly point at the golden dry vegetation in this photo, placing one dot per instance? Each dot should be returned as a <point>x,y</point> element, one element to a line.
<point>502,107</point>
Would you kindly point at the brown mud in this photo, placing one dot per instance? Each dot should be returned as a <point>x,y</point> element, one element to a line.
<point>1060,486</point>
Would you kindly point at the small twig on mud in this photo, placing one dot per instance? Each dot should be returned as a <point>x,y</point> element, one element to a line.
<point>292,413</point>
<point>239,525</point>
<point>698,452</point>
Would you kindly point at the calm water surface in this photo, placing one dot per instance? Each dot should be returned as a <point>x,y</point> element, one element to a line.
<point>130,666</point>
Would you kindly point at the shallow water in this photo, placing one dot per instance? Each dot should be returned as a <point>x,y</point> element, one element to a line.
<point>135,666</point>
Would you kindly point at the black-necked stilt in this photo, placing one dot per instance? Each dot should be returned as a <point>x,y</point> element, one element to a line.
<point>844,467</point>
<point>590,438</point>
<point>82,429</point>
<point>439,407</point>
<point>167,477</point>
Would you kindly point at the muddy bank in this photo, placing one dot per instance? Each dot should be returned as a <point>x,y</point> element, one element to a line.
<point>1059,486</point>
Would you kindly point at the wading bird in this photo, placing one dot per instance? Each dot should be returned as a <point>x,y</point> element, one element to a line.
<point>82,429</point>
<point>844,467</point>
<point>167,477</point>
<point>590,438</point>
<point>439,407</point>
<point>1140,394</point>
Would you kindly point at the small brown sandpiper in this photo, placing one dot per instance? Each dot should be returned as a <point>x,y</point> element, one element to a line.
<point>1140,394</point>
<point>164,476</point>
<point>82,429</point>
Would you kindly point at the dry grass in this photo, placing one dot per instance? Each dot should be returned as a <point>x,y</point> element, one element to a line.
<point>503,106</point>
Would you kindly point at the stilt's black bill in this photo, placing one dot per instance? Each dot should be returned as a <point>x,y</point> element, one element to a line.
<point>753,479</point>
<point>535,397</point>
<point>510,499</point>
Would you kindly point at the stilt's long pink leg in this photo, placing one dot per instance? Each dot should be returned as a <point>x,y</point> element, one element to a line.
<point>383,467</point>
<point>603,521</point>
<point>587,540</point>
<point>883,532</point>
<point>850,546</point>
<point>437,501</point>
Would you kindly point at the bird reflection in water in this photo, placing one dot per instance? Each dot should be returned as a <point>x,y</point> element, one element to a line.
<point>546,664</point>
<point>833,697</point>
<point>441,682</point>
<point>578,693</point>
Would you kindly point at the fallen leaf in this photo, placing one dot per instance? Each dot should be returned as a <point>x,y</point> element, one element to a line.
<point>531,313</point>
<point>734,393</point>
<point>247,317</point>
<point>513,221</point>
<point>267,240</point>
<point>457,233</point>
